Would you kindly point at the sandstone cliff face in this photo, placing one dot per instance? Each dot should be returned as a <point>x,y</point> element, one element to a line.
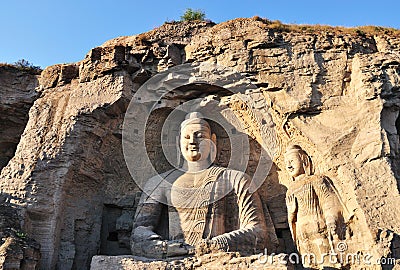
<point>18,93</point>
<point>335,94</point>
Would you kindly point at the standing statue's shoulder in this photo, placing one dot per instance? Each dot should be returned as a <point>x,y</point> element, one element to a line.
<point>308,180</point>
<point>322,183</point>
<point>322,180</point>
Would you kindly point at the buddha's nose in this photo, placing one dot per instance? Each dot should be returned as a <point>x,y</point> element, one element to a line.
<point>192,140</point>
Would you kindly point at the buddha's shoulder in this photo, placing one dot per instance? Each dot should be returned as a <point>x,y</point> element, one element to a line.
<point>232,173</point>
<point>162,178</point>
<point>314,180</point>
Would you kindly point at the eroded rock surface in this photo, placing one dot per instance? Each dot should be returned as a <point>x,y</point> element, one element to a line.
<point>17,250</point>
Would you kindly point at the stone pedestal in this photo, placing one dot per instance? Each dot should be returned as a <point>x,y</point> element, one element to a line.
<point>208,261</point>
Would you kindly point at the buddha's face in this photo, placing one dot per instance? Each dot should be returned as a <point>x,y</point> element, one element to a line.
<point>294,164</point>
<point>196,142</point>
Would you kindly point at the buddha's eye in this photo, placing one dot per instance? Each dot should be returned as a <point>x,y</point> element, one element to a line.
<point>187,137</point>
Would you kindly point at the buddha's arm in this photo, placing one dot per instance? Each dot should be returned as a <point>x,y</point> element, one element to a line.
<point>148,211</point>
<point>329,202</point>
<point>147,215</point>
<point>146,218</point>
<point>144,240</point>
<point>252,228</point>
<point>291,205</point>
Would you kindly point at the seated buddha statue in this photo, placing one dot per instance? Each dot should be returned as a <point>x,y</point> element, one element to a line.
<point>185,211</point>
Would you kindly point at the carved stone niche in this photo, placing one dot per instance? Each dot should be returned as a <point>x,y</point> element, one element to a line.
<point>244,115</point>
<point>162,131</point>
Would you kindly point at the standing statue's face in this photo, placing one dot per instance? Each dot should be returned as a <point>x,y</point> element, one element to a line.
<point>196,142</point>
<point>294,164</point>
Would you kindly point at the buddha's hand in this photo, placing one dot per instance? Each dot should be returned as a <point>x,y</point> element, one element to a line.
<point>291,205</point>
<point>291,208</point>
<point>157,248</point>
<point>203,247</point>
<point>206,246</point>
<point>177,248</point>
<point>143,233</point>
<point>145,242</point>
<point>331,227</point>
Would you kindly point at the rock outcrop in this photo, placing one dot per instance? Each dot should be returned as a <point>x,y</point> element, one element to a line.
<point>18,92</point>
<point>17,250</point>
<point>336,94</point>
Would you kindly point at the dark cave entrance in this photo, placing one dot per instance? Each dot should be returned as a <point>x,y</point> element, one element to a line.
<point>110,238</point>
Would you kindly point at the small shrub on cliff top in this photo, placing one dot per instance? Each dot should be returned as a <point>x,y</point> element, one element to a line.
<point>193,15</point>
<point>24,65</point>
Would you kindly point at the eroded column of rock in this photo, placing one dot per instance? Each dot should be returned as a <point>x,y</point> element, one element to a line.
<point>375,149</point>
<point>17,94</point>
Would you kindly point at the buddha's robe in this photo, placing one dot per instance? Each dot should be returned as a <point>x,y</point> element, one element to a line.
<point>201,210</point>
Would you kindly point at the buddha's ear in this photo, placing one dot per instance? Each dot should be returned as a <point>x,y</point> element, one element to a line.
<point>306,164</point>
<point>214,138</point>
<point>213,153</point>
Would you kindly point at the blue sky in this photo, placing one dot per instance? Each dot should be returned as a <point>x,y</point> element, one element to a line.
<point>47,32</point>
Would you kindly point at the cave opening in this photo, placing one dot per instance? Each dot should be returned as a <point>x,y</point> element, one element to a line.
<point>110,240</point>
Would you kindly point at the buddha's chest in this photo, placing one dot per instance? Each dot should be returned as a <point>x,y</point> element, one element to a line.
<point>194,215</point>
<point>190,194</point>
